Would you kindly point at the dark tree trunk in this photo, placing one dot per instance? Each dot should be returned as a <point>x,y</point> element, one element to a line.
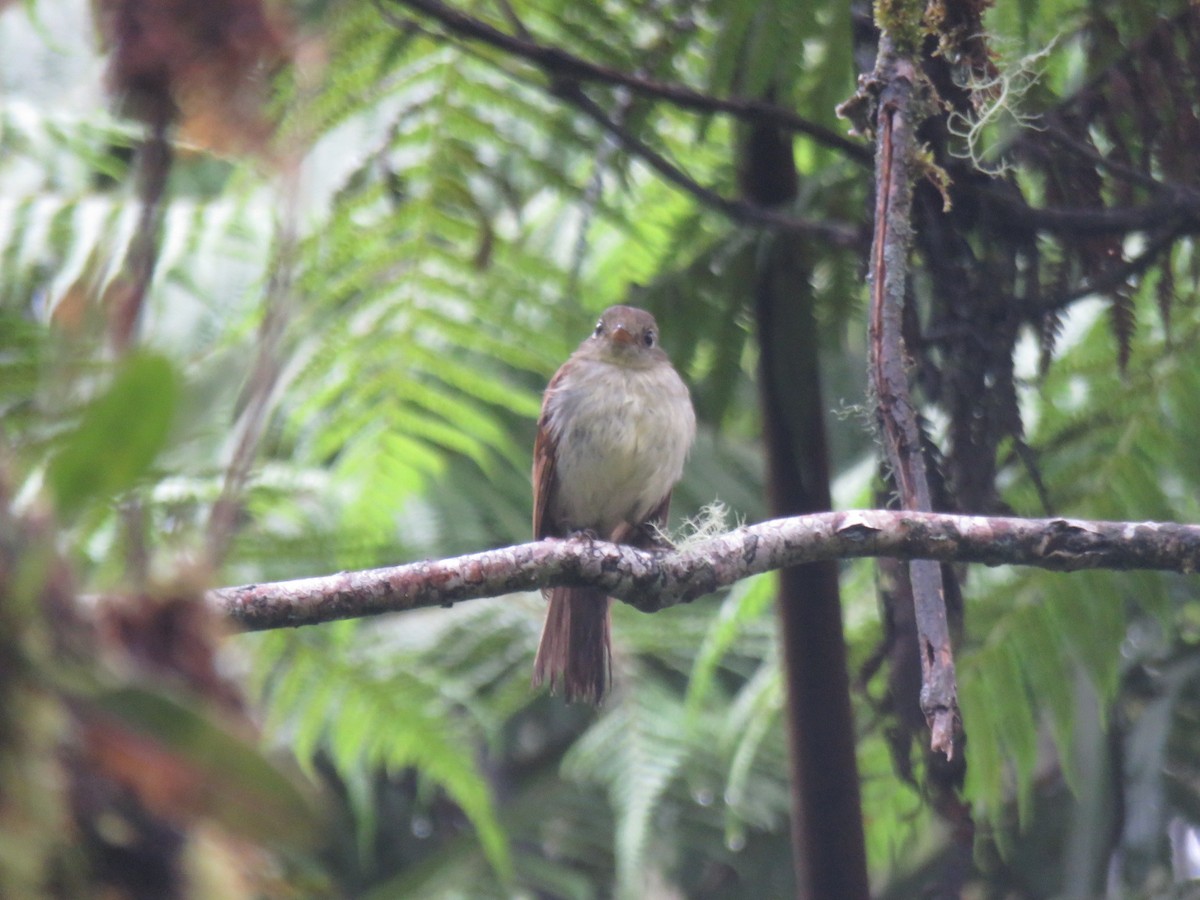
<point>827,833</point>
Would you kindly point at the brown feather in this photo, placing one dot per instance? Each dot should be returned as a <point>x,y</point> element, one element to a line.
<point>576,647</point>
<point>544,453</point>
<point>575,651</point>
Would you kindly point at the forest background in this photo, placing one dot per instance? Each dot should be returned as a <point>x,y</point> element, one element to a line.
<point>280,289</point>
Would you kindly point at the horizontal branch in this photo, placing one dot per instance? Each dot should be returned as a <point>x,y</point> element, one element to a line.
<point>1178,208</point>
<point>654,580</point>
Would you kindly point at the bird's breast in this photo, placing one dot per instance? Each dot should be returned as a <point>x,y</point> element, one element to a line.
<point>622,436</point>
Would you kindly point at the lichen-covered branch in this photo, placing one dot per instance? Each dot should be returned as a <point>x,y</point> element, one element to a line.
<point>899,111</point>
<point>654,580</point>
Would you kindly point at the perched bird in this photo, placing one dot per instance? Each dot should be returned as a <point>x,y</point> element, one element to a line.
<point>615,429</point>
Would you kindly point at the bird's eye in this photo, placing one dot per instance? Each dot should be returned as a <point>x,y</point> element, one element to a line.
<point>648,337</point>
<point>599,329</point>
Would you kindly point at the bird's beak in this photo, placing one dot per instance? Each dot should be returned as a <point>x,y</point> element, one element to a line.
<point>621,335</point>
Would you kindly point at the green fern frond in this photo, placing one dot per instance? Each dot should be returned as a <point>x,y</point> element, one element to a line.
<point>1114,447</point>
<point>367,718</point>
<point>751,722</point>
<point>746,602</point>
<point>635,749</point>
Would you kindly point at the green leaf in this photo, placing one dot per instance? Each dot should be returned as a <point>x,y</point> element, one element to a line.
<point>334,698</point>
<point>1049,669</point>
<point>637,748</point>
<point>985,776</point>
<point>1010,701</point>
<point>746,602</point>
<point>120,434</point>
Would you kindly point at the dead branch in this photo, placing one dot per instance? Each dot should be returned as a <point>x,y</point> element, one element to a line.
<point>898,114</point>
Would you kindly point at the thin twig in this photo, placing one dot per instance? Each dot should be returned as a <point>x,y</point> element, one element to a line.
<point>264,375</point>
<point>840,233</point>
<point>1116,276</point>
<point>566,89</point>
<point>593,194</point>
<point>1123,171</point>
<point>154,167</point>
<point>128,302</point>
<point>1173,206</point>
<point>558,63</point>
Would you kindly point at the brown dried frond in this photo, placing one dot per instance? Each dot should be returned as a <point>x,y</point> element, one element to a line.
<point>204,67</point>
<point>1130,136</point>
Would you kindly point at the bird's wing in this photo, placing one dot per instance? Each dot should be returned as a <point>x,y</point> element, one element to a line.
<point>545,482</point>
<point>658,515</point>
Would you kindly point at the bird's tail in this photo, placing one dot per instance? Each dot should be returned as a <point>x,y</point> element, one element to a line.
<point>576,647</point>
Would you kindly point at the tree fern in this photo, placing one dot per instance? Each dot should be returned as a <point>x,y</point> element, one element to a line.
<point>1112,447</point>
<point>365,716</point>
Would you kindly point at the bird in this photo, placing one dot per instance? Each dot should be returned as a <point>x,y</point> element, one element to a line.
<point>615,430</point>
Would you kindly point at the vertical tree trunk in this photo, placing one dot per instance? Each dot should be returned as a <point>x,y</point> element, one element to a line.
<point>828,844</point>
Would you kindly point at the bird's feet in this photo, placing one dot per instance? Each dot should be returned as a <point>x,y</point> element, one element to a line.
<point>583,535</point>
<point>651,536</point>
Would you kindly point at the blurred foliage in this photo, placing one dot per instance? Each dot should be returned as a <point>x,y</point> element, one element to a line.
<point>456,230</point>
